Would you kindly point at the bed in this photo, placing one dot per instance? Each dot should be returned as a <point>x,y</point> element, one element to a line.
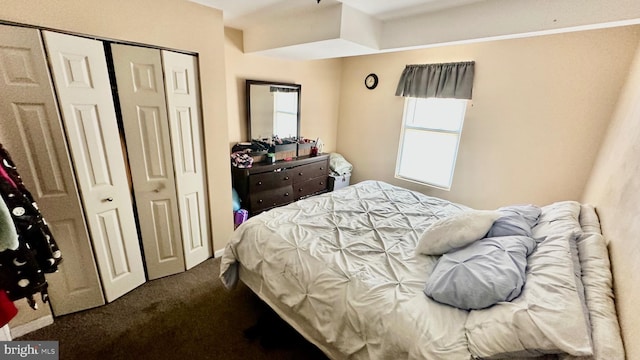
<point>342,269</point>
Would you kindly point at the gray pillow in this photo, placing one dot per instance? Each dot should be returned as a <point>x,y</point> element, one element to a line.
<point>481,274</point>
<point>515,220</point>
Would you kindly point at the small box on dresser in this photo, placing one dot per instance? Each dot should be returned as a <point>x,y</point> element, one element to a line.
<point>285,151</point>
<point>305,148</point>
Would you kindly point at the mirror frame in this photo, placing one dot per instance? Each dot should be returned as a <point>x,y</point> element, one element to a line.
<point>249,83</point>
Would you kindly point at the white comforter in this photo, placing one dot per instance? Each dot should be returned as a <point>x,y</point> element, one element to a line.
<point>344,263</point>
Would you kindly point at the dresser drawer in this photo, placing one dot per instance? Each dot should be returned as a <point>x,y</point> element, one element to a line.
<point>315,185</point>
<point>270,198</point>
<point>269,180</point>
<point>309,171</point>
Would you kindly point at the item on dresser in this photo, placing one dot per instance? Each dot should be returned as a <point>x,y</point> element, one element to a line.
<point>242,159</point>
<point>320,145</point>
<point>265,186</point>
<point>241,146</point>
<point>271,158</point>
<point>304,147</point>
<point>285,151</point>
<point>280,148</point>
<point>257,150</point>
<point>259,156</point>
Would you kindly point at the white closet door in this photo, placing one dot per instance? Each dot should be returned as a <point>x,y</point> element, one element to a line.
<point>33,135</point>
<point>183,101</point>
<point>82,82</point>
<point>144,115</point>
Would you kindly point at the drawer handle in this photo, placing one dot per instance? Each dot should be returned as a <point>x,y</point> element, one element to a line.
<point>259,182</point>
<point>260,201</point>
<point>300,173</point>
<point>286,178</point>
<point>321,182</point>
<point>321,168</point>
<point>286,194</point>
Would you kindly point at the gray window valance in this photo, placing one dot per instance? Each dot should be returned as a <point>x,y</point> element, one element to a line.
<point>449,80</point>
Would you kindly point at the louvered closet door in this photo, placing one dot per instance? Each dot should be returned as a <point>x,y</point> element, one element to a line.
<point>33,135</point>
<point>144,115</point>
<point>183,101</point>
<point>84,92</point>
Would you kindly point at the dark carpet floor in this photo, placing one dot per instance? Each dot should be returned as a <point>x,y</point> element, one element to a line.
<point>184,316</point>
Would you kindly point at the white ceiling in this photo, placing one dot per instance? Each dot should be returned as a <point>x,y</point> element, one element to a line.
<point>305,29</point>
<point>241,14</point>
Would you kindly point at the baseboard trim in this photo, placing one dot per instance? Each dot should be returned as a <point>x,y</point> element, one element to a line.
<point>17,331</point>
<point>5,333</point>
<point>218,253</point>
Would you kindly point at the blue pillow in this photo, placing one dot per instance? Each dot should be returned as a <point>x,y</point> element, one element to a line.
<point>515,220</point>
<point>481,274</point>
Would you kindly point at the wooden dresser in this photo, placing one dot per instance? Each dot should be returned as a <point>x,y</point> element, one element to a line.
<point>265,186</point>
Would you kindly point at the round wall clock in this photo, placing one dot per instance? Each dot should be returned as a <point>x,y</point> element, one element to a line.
<point>371,81</point>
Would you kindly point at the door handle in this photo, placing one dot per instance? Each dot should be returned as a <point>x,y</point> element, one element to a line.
<point>159,188</point>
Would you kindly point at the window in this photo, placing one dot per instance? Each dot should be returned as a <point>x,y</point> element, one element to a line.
<point>431,130</point>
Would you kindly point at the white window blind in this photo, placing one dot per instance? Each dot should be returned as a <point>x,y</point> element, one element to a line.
<point>431,130</point>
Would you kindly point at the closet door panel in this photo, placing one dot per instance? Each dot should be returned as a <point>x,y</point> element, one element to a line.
<point>144,115</point>
<point>33,134</point>
<point>82,82</point>
<point>183,102</point>
<point>33,125</point>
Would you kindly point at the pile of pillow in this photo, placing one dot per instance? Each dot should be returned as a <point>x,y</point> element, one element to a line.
<point>484,255</point>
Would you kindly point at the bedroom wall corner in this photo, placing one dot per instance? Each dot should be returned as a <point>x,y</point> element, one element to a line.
<point>614,189</point>
<point>540,108</point>
<point>320,80</point>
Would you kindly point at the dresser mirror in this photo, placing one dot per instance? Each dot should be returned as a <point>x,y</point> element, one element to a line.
<point>273,109</point>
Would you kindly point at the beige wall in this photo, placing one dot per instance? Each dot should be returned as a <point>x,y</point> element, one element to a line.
<point>176,24</point>
<point>320,80</point>
<point>540,108</point>
<point>614,188</point>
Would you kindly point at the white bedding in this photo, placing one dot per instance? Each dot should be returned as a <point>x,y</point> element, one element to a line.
<point>340,267</point>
